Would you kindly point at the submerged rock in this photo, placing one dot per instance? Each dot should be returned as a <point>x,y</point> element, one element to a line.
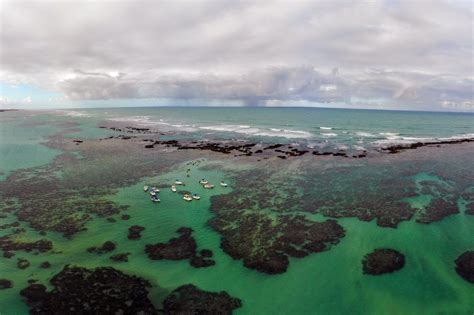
<point>103,290</point>
<point>8,254</point>
<point>134,232</point>
<point>108,246</point>
<point>265,242</point>
<point>10,243</point>
<point>465,266</point>
<point>45,265</point>
<point>183,247</point>
<point>410,146</point>
<point>201,262</point>
<point>188,299</point>
<point>122,257</point>
<point>22,263</point>
<point>382,261</point>
<point>206,253</point>
<point>5,284</point>
<point>469,208</point>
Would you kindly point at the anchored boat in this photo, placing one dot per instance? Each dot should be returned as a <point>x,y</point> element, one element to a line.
<point>145,188</point>
<point>203,182</point>
<point>178,182</point>
<point>187,197</point>
<point>196,197</point>
<point>208,186</point>
<point>173,188</point>
<point>223,184</point>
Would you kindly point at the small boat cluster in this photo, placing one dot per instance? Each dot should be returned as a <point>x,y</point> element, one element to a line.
<point>153,193</point>
<point>187,197</point>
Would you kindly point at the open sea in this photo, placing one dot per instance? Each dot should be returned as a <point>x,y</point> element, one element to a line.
<point>343,127</point>
<point>329,282</point>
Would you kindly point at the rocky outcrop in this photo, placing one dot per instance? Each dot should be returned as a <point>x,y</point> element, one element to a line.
<point>382,261</point>
<point>183,247</point>
<point>465,266</point>
<point>103,290</point>
<point>188,299</point>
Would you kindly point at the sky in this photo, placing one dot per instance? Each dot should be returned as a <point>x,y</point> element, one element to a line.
<point>381,54</point>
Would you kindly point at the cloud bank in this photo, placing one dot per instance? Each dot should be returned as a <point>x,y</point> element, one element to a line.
<point>415,54</point>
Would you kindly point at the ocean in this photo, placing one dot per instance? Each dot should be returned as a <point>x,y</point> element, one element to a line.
<point>381,201</point>
<point>344,127</point>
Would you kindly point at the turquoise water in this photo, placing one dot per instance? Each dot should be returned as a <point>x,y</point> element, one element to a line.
<point>316,125</point>
<point>21,147</point>
<point>330,282</point>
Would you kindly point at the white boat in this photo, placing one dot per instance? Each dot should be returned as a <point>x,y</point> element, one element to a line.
<point>224,184</point>
<point>203,182</point>
<point>155,189</point>
<point>196,197</point>
<point>173,188</point>
<point>152,193</point>
<point>145,188</point>
<point>178,182</point>
<point>187,197</point>
<point>154,198</point>
<point>208,186</point>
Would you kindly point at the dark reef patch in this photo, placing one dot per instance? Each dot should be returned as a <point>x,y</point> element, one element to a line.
<point>108,246</point>
<point>22,263</point>
<point>134,232</point>
<point>382,261</point>
<point>8,254</point>
<point>381,192</point>
<point>465,266</point>
<point>188,299</point>
<point>103,290</point>
<point>5,284</point>
<point>469,208</point>
<point>183,247</point>
<point>443,203</point>
<point>45,265</point>
<point>265,242</point>
<point>201,262</point>
<point>122,257</point>
<point>402,147</point>
<point>13,242</point>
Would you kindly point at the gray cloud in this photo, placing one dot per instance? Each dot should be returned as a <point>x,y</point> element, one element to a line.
<point>401,52</point>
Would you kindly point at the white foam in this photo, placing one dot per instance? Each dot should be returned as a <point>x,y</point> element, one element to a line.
<point>147,122</point>
<point>325,128</point>
<point>304,133</point>
<point>365,134</point>
<point>409,140</point>
<point>359,147</point>
<point>231,128</point>
<point>389,134</point>
<point>329,134</point>
<point>458,137</point>
<point>271,132</point>
<point>73,113</point>
<point>284,133</point>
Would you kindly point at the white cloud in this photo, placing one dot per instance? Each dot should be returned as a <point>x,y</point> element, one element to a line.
<point>417,52</point>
